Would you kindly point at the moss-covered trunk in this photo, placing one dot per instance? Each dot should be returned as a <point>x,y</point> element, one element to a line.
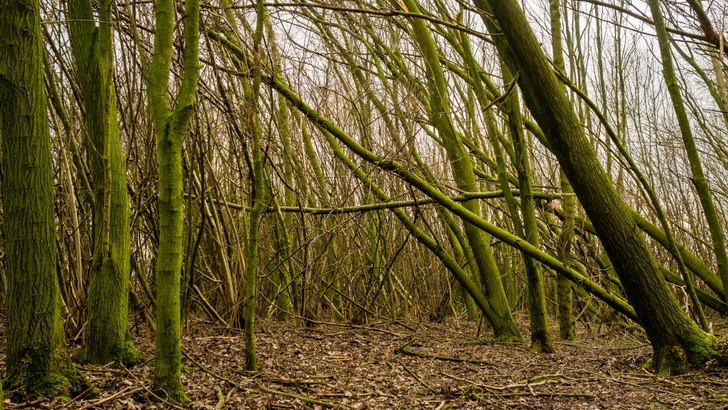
<point>170,128</point>
<point>540,333</point>
<point>462,170</point>
<point>258,189</point>
<point>676,339</point>
<point>37,359</point>
<point>565,300</point>
<point>107,331</point>
<point>567,322</point>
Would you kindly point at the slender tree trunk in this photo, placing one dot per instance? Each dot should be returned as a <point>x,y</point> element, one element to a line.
<point>462,170</point>
<point>283,298</point>
<point>170,128</point>
<point>567,327</point>
<point>540,334</point>
<point>251,274</point>
<point>258,184</point>
<point>37,359</point>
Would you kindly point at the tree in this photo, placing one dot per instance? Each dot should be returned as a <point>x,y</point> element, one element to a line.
<point>567,327</point>
<point>676,340</point>
<point>462,170</point>
<point>170,128</point>
<point>107,331</point>
<point>37,359</point>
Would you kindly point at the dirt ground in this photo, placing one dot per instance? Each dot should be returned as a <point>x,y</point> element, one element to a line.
<point>388,366</point>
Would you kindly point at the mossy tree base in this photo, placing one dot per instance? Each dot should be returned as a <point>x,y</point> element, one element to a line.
<point>693,353</point>
<point>171,391</point>
<point>541,343</point>
<point>44,372</point>
<point>507,337</point>
<point>126,354</point>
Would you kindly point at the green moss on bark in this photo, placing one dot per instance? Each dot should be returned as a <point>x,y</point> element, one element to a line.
<point>124,353</point>
<point>92,46</point>
<point>38,364</point>
<point>44,372</point>
<point>693,351</point>
<point>171,391</point>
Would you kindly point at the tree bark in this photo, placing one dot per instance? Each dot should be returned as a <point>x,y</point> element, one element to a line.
<point>170,127</point>
<point>107,331</point>
<point>700,182</point>
<point>565,299</point>
<point>37,358</point>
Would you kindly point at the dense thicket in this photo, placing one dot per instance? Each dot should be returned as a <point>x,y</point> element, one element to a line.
<point>376,160</point>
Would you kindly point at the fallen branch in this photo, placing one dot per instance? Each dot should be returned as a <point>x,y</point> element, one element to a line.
<point>124,392</point>
<point>83,393</point>
<point>263,389</point>
<point>534,394</point>
<point>293,382</point>
<point>403,349</point>
<point>304,399</point>
<point>417,378</point>
<point>220,398</point>
<point>216,376</point>
<point>534,381</point>
<point>156,396</point>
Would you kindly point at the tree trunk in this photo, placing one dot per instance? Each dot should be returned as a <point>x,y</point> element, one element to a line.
<point>170,129</point>
<point>107,331</point>
<point>540,334</point>
<point>565,300</point>
<point>700,182</point>
<point>37,359</point>
<point>462,170</point>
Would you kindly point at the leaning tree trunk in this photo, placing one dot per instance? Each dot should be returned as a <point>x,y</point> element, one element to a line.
<point>170,128</point>
<point>37,359</point>
<point>540,334</point>
<point>676,340</point>
<point>462,170</point>
<point>107,331</point>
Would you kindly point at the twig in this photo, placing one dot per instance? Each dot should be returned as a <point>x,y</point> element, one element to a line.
<point>31,404</point>
<point>304,399</point>
<point>124,392</point>
<point>586,395</point>
<point>83,393</point>
<point>220,398</point>
<point>403,349</point>
<point>533,381</point>
<point>205,370</point>
<point>442,405</point>
<point>509,88</point>
<point>293,382</point>
<point>417,378</point>
<point>527,383</point>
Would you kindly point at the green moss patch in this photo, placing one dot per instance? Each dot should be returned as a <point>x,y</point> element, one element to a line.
<point>44,372</point>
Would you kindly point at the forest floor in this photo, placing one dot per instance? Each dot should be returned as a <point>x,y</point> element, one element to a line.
<point>388,366</point>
